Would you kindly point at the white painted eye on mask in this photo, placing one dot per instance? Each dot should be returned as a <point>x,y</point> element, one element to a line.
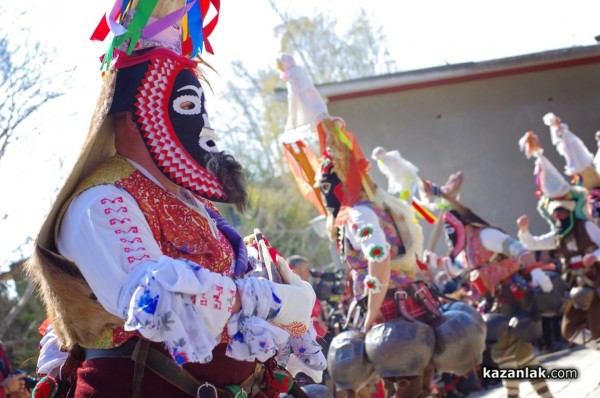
<point>187,105</point>
<point>207,140</point>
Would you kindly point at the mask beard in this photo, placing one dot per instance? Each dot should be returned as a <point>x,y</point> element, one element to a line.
<point>230,174</point>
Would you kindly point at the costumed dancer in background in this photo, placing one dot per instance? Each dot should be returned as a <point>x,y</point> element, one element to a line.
<point>494,260</point>
<point>576,240</point>
<point>580,164</point>
<point>138,271</point>
<point>378,239</point>
<point>403,180</point>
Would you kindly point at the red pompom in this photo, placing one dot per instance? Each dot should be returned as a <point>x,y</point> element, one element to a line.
<point>46,387</point>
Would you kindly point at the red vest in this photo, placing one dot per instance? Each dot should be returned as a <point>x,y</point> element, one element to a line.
<point>179,230</point>
<point>488,269</point>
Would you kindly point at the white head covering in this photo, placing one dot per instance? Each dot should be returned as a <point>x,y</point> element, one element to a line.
<point>551,182</point>
<point>306,107</point>
<point>568,145</point>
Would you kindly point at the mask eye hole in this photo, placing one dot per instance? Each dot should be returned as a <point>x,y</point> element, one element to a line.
<point>187,105</point>
<point>208,144</point>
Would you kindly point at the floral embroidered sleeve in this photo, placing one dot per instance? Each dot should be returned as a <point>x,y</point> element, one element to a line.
<point>366,232</point>
<point>165,299</point>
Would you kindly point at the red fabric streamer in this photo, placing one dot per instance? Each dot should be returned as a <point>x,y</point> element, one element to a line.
<point>210,27</point>
<point>427,216</point>
<point>101,30</point>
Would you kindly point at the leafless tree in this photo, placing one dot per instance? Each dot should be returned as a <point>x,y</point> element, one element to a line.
<point>25,84</point>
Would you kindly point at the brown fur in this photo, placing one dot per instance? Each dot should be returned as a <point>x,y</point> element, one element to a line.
<point>72,308</point>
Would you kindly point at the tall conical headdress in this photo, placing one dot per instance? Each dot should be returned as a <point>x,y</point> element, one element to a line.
<point>579,161</point>
<point>554,190</point>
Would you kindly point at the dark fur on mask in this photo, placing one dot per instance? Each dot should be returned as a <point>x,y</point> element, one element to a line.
<point>229,171</point>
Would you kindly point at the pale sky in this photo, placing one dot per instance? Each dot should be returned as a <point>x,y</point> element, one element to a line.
<point>420,34</point>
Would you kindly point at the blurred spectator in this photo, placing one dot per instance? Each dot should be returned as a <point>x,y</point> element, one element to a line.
<point>552,339</point>
<point>12,381</point>
<point>300,266</point>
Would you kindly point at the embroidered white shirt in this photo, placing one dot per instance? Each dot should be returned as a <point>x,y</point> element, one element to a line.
<point>165,299</point>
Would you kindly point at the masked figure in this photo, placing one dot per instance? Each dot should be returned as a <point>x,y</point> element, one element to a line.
<point>495,262</point>
<point>378,240</point>
<point>577,241</point>
<point>580,164</point>
<point>142,278</point>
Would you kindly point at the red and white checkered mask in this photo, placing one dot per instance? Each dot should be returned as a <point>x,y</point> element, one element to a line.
<point>163,92</point>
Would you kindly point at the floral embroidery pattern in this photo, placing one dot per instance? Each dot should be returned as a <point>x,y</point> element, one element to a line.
<point>176,227</point>
<point>397,279</point>
<point>178,354</point>
<point>356,259</point>
<point>372,284</point>
<point>365,233</point>
<point>147,303</point>
<point>376,253</point>
<point>181,233</point>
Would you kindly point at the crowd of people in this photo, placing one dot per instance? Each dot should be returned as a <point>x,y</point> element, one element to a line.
<point>521,290</point>
<point>150,292</point>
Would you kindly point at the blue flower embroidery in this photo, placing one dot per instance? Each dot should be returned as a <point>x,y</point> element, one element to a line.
<point>238,337</point>
<point>276,299</point>
<point>180,357</point>
<point>147,303</point>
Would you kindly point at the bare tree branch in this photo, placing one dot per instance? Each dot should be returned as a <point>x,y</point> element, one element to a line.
<point>25,83</point>
<point>14,312</point>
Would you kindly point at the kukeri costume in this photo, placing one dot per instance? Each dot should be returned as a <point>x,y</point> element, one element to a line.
<point>140,273</point>
<point>403,180</point>
<point>574,236</point>
<point>493,260</point>
<point>580,164</point>
<point>378,239</point>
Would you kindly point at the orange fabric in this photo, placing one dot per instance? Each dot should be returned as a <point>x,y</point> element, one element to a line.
<point>303,164</point>
<point>358,168</point>
<point>44,327</point>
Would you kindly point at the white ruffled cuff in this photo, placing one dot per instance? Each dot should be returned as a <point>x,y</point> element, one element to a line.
<point>179,303</point>
<point>252,337</point>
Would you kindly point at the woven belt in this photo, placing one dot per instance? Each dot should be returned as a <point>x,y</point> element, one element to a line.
<point>146,356</point>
